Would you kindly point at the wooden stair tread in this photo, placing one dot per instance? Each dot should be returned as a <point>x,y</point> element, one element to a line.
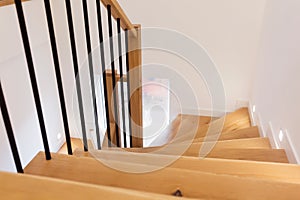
<point>263,155</point>
<point>269,170</point>
<point>76,144</point>
<point>165,181</point>
<point>251,132</point>
<point>231,122</point>
<point>20,186</point>
<point>255,143</point>
<point>169,133</point>
<point>257,149</point>
<point>234,147</point>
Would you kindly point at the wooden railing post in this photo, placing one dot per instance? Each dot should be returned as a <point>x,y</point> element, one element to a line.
<point>111,108</point>
<point>135,67</point>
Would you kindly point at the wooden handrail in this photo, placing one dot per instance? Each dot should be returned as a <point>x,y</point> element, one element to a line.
<point>118,12</point>
<point>8,2</point>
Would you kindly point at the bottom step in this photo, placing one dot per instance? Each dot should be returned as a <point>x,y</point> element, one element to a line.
<point>166,181</point>
<point>19,186</point>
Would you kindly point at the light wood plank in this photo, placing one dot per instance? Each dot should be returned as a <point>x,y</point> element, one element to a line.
<point>136,97</point>
<point>186,149</point>
<point>264,155</point>
<point>170,132</point>
<point>231,122</point>
<point>166,181</point>
<point>17,186</point>
<point>76,144</point>
<point>110,93</point>
<point>110,90</point>
<point>247,133</point>
<point>251,132</point>
<point>111,106</point>
<point>255,143</point>
<point>266,170</point>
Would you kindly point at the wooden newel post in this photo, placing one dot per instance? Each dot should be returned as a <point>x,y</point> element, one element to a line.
<point>135,67</point>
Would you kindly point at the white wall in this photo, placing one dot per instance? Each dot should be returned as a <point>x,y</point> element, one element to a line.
<point>229,30</point>
<point>276,83</point>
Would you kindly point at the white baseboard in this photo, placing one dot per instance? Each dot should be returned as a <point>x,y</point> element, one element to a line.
<point>59,144</point>
<point>290,149</point>
<point>269,133</point>
<point>251,114</point>
<point>258,122</point>
<point>267,130</point>
<point>205,112</point>
<point>240,103</point>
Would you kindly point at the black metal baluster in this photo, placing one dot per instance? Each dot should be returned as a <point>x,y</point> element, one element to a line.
<point>100,31</point>
<point>91,68</point>
<point>10,133</point>
<point>58,75</point>
<point>121,81</point>
<point>128,86</point>
<point>32,75</point>
<point>111,42</point>
<point>77,76</point>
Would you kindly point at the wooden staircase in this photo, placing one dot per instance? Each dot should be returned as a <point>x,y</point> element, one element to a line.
<point>241,165</point>
<point>195,157</point>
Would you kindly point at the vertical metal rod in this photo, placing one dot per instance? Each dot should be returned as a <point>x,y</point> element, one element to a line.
<point>91,68</point>
<point>58,75</point>
<point>111,42</point>
<point>10,133</point>
<point>32,75</point>
<point>76,71</point>
<point>100,31</point>
<point>121,81</point>
<point>128,85</point>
